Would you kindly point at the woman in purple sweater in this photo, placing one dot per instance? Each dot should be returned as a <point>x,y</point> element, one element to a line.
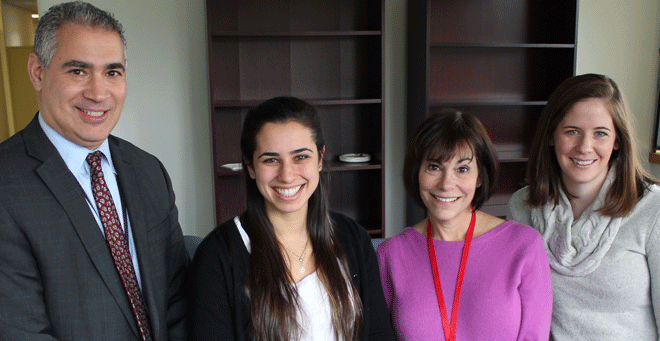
<point>462,274</point>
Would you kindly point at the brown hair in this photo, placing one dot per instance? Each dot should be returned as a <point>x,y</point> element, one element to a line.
<point>274,301</point>
<point>543,171</point>
<point>438,138</point>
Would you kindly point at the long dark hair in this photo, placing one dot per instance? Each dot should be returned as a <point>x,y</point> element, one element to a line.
<point>274,301</point>
<point>543,171</point>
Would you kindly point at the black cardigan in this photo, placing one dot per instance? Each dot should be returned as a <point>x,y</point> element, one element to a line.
<point>218,308</point>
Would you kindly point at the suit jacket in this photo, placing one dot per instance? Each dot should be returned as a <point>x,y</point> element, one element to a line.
<point>57,277</point>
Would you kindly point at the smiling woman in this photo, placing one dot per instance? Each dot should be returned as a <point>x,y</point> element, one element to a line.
<point>584,141</point>
<point>598,212</point>
<point>286,170</point>
<point>287,268</point>
<point>447,188</point>
<point>450,169</point>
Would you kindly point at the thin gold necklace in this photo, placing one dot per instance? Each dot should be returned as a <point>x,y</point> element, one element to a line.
<point>301,257</point>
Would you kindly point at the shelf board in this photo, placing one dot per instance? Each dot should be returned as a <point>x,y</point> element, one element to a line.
<point>334,166</point>
<point>222,172</point>
<point>232,34</point>
<point>512,160</point>
<point>505,45</point>
<point>324,102</point>
<point>485,102</point>
<point>510,152</point>
<point>337,166</point>
<point>374,232</point>
<point>498,199</point>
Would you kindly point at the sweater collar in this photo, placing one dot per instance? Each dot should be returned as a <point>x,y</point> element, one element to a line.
<point>576,247</point>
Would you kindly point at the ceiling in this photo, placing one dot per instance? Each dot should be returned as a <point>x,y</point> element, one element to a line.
<point>30,5</point>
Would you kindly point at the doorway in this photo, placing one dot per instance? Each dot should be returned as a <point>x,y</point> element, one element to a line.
<point>18,101</point>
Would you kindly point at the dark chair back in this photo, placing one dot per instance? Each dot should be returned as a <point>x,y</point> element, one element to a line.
<point>376,241</point>
<point>191,244</point>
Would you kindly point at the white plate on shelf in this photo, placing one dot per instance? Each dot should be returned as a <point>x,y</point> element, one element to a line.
<point>233,166</point>
<point>355,157</point>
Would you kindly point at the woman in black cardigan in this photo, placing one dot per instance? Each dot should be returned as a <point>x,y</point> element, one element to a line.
<point>287,268</point>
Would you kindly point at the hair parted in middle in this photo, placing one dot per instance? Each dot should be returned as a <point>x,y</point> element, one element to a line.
<point>438,138</point>
<point>273,299</point>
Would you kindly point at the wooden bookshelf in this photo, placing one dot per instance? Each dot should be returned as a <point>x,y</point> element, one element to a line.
<point>328,53</point>
<point>498,60</point>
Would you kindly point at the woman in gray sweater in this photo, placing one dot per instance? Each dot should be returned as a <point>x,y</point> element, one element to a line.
<point>598,212</point>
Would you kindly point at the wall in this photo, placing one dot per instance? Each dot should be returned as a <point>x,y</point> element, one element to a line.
<point>395,114</point>
<point>19,29</point>
<point>18,35</point>
<point>620,38</point>
<point>167,108</point>
<point>4,123</point>
<point>19,26</point>
<point>23,97</point>
<point>4,78</point>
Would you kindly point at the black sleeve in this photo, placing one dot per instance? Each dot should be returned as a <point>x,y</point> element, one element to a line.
<point>177,264</point>
<point>379,318</point>
<point>23,313</point>
<point>215,307</point>
<point>361,254</point>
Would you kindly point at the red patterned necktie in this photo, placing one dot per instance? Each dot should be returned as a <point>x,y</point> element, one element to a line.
<point>118,243</point>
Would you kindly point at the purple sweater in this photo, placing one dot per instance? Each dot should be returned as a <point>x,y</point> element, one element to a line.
<point>506,290</point>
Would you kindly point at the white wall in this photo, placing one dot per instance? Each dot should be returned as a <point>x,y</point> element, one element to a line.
<point>620,38</point>
<point>395,115</point>
<point>167,108</point>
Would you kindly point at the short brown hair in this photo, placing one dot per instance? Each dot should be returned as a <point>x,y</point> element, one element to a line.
<point>438,138</point>
<point>543,171</point>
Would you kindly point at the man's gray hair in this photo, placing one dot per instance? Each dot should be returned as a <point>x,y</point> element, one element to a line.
<point>76,12</point>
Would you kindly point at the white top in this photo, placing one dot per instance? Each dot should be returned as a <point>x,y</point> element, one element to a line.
<point>314,314</point>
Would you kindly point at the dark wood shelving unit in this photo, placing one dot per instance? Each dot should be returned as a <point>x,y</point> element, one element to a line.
<point>328,53</point>
<point>498,60</point>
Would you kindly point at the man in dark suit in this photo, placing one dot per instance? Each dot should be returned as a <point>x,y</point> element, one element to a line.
<point>86,252</point>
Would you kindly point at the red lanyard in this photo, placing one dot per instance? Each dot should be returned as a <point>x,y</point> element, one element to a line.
<point>450,334</point>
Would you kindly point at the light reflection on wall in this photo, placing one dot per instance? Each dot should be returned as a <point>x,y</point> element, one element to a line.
<point>19,26</point>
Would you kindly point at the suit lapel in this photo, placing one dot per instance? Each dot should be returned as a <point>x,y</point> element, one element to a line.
<point>66,190</point>
<point>129,174</point>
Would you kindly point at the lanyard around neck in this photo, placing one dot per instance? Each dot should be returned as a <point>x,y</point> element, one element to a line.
<point>450,332</point>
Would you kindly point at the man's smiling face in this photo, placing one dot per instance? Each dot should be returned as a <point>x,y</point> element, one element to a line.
<point>82,92</point>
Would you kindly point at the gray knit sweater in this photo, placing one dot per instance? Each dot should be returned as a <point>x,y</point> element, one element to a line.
<point>605,271</point>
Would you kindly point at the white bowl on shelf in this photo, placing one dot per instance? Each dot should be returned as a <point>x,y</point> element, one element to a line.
<point>355,157</point>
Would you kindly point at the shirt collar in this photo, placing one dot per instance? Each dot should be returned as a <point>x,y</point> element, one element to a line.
<point>74,155</point>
